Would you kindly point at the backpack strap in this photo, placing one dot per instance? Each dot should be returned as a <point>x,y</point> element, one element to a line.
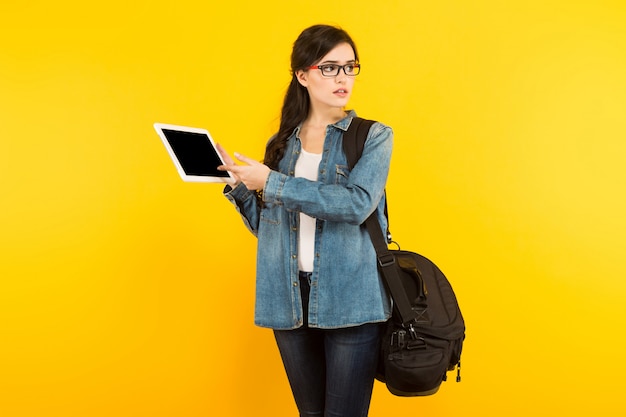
<point>353,145</point>
<point>354,139</point>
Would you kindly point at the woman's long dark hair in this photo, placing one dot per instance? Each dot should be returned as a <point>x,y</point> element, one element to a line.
<point>311,46</point>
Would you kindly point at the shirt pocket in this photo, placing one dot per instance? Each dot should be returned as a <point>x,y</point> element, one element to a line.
<point>271,214</point>
<point>342,172</point>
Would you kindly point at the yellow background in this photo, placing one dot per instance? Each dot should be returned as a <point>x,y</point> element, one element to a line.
<point>126,292</point>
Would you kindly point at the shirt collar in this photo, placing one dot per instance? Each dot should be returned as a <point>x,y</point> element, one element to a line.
<point>342,124</point>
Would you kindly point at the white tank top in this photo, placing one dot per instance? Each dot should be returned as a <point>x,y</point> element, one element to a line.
<point>307,167</point>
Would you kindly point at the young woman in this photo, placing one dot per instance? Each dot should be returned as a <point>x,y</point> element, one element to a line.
<point>318,285</point>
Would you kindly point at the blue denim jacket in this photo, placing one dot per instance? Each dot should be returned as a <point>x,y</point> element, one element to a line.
<point>346,289</point>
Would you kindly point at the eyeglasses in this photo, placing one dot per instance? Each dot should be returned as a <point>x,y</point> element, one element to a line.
<point>332,70</point>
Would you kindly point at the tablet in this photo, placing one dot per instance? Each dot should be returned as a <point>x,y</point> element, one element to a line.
<point>193,152</point>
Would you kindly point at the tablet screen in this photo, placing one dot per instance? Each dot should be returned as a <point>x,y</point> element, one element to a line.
<point>195,153</point>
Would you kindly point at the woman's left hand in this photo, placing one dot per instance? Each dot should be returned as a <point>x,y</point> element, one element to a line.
<point>254,174</point>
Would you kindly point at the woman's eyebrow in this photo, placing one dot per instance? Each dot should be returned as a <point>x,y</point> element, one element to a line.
<point>336,62</point>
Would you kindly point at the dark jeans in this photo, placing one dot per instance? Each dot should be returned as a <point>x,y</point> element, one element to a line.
<point>331,372</point>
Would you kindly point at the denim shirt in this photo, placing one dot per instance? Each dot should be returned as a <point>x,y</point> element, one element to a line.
<point>346,288</point>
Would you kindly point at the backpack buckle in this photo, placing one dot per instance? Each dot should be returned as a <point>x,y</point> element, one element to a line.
<point>386,260</point>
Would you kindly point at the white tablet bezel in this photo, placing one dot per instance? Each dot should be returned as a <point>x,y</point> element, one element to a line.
<point>186,177</point>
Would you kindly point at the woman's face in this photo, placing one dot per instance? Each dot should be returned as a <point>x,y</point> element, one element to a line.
<point>329,91</point>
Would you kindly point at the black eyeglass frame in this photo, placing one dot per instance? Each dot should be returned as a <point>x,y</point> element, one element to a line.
<point>355,66</point>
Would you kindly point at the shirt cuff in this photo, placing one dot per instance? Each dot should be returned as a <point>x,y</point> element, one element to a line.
<point>274,187</point>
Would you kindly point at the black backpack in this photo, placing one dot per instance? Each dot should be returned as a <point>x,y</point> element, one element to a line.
<point>424,338</point>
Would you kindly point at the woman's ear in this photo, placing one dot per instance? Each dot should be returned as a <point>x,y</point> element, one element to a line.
<point>301,76</point>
